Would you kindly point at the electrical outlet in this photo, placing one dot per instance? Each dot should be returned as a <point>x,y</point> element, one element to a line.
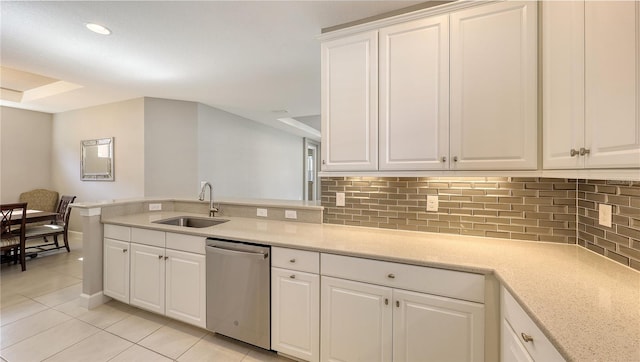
<point>261,212</point>
<point>339,198</point>
<point>155,207</point>
<point>604,215</point>
<point>432,203</point>
<point>290,214</point>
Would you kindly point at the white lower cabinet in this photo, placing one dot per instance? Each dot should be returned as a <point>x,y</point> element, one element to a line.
<point>147,277</point>
<point>116,269</point>
<point>521,339</point>
<point>376,321</point>
<point>145,274</point>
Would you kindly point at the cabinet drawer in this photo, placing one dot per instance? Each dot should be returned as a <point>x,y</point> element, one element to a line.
<point>147,237</point>
<point>189,243</point>
<point>117,232</point>
<point>540,348</point>
<point>448,283</point>
<point>301,260</point>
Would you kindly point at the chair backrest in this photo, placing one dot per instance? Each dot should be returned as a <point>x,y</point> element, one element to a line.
<point>40,199</point>
<point>64,211</point>
<point>7,218</point>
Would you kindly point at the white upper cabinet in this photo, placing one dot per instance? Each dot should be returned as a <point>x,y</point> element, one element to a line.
<point>349,80</point>
<point>414,95</point>
<point>590,84</point>
<point>494,87</point>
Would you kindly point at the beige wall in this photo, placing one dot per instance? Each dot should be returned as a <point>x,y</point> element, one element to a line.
<point>25,152</point>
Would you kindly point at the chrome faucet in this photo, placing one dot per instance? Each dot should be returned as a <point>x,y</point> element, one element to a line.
<point>212,209</point>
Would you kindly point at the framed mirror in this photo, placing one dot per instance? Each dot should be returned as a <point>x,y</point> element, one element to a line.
<point>97,160</point>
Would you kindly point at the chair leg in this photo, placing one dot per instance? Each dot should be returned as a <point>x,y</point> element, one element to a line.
<point>55,240</point>
<point>23,261</point>
<point>66,242</point>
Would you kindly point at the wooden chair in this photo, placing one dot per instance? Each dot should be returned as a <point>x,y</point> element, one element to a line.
<point>60,227</point>
<point>12,240</point>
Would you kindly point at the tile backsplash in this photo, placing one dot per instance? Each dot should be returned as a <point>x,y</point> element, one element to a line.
<point>523,208</point>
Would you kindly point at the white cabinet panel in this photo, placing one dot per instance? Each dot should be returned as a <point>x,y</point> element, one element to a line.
<point>186,287</point>
<point>563,83</point>
<point>494,87</point>
<point>355,321</point>
<point>116,269</point>
<point>147,278</point>
<point>414,95</point>
<point>350,103</point>
<point>432,328</point>
<point>612,125</point>
<point>295,314</point>
<point>511,348</point>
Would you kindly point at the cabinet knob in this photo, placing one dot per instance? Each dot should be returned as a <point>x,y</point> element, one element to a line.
<point>584,151</point>
<point>455,158</point>
<point>159,256</point>
<point>391,276</point>
<point>125,250</point>
<point>292,276</point>
<point>443,159</point>
<point>398,303</point>
<point>292,260</point>
<point>573,152</point>
<point>526,337</point>
<point>324,162</point>
<point>386,301</point>
<point>166,257</point>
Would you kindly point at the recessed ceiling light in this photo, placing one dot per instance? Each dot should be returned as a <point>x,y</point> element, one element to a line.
<point>97,28</point>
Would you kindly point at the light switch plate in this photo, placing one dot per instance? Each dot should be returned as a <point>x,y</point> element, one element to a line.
<point>261,212</point>
<point>155,207</point>
<point>290,214</point>
<point>604,215</point>
<point>339,198</point>
<point>432,203</point>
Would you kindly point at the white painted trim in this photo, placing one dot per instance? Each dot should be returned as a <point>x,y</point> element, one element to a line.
<point>612,174</point>
<point>94,300</point>
<point>75,234</point>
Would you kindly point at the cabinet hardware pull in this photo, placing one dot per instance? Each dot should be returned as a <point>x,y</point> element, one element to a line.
<point>573,152</point>
<point>386,301</point>
<point>125,250</point>
<point>455,158</point>
<point>159,256</point>
<point>398,303</point>
<point>324,162</point>
<point>584,151</point>
<point>391,276</point>
<point>443,159</point>
<point>292,261</point>
<point>293,276</point>
<point>166,257</point>
<point>526,337</point>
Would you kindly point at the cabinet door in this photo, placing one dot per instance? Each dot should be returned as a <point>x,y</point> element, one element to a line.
<point>350,103</point>
<point>563,83</point>
<point>147,277</point>
<point>414,95</point>
<point>612,125</point>
<point>511,349</point>
<point>355,321</point>
<point>295,314</point>
<point>116,270</point>
<point>494,87</point>
<point>186,287</point>
<point>432,328</point>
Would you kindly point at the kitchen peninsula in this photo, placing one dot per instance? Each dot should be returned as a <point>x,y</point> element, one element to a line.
<point>585,304</point>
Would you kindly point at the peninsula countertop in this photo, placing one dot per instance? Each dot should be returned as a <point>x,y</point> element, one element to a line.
<point>587,305</point>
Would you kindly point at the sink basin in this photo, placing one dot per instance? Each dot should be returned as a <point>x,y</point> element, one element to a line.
<point>191,221</point>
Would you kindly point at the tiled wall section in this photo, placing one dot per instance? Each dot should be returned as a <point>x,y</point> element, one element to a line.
<point>621,241</point>
<point>514,208</point>
<point>505,207</point>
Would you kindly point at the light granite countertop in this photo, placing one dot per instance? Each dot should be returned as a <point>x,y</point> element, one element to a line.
<point>588,306</point>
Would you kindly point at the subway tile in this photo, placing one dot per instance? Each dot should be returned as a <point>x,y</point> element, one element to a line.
<point>606,244</point>
<point>520,236</point>
<point>603,189</point>
<point>617,257</point>
<point>597,249</point>
<point>619,200</point>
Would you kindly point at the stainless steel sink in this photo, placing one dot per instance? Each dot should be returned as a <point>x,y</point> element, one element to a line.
<point>191,221</point>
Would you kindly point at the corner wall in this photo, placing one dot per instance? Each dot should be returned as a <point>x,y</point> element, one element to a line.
<point>25,152</point>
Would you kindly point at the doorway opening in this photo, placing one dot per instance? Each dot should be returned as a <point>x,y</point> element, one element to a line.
<point>311,160</point>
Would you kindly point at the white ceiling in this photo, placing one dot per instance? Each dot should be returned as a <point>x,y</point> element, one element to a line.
<point>246,57</point>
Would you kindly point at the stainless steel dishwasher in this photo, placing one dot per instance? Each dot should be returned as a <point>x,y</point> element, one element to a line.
<point>238,291</point>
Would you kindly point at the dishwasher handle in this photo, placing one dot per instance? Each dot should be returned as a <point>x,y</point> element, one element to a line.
<point>219,250</point>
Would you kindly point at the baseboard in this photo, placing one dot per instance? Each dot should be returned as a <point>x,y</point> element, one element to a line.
<point>75,234</point>
<point>94,300</point>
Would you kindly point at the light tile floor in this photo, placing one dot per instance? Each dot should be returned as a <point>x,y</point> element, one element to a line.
<point>41,320</point>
